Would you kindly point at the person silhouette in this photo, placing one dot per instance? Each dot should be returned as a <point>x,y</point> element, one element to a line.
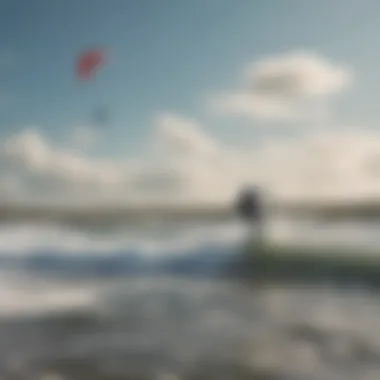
<point>249,207</point>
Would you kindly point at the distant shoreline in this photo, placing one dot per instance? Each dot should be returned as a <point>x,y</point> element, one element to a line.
<point>111,214</point>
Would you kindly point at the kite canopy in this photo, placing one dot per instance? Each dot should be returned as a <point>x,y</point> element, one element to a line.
<point>86,65</point>
<point>88,62</point>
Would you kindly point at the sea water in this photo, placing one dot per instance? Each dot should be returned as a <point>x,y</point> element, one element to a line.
<point>149,302</point>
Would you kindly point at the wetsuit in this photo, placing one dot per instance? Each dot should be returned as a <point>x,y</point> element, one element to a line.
<point>249,206</point>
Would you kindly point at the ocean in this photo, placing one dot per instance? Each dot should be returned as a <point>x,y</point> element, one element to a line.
<point>153,302</point>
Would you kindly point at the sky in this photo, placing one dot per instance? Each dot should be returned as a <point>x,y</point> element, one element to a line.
<point>203,96</point>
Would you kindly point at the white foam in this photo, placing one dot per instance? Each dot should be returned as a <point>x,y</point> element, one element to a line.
<point>26,239</point>
<point>22,295</point>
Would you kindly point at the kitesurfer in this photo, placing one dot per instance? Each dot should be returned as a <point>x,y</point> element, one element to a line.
<point>250,209</point>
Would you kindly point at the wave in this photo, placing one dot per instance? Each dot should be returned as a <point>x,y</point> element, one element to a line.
<point>134,246</point>
<point>66,252</point>
<point>149,240</point>
<point>162,237</point>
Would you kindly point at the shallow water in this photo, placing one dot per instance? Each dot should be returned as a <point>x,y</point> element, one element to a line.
<point>80,306</point>
<point>166,328</point>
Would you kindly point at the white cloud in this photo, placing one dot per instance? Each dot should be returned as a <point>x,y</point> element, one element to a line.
<point>198,160</point>
<point>325,166</point>
<point>251,105</point>
<point>297,75</point>
<point>189,166</point>
<point>182,136</point>
<point>41,168</point>
<point>44,171</point>
<point>289,86</point>
<point>319,165</point>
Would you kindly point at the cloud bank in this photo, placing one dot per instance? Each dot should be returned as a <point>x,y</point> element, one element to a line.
<point>187,164</point>
<point>194,168</point>
<point>286,86</point>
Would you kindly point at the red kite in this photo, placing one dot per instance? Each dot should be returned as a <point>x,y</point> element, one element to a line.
<point>88,62</point>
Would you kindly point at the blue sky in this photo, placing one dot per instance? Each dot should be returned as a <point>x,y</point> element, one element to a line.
<point>169,55</point>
